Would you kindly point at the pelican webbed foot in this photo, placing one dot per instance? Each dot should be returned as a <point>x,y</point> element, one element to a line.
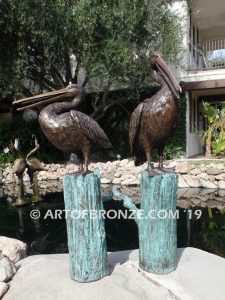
<point>152,172</point>
<point>82,172</point>
<point>165,170</point>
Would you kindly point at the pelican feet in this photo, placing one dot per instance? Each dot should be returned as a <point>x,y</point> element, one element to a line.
<point>158,171</point>
<point>165,170</point>
<point>81,172</point>
<point>152,172</point>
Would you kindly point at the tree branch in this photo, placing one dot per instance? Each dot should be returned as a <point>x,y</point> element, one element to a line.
<point>86,79</point>
<point>55,74</point>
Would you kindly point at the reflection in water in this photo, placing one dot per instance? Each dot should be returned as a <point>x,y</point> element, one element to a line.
<point>49,235</point>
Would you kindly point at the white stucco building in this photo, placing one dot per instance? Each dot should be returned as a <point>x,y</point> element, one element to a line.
<point>203,71</point>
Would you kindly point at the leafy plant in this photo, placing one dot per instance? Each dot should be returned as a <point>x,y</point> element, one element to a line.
<point>214,136</point>
<point>106,42</point>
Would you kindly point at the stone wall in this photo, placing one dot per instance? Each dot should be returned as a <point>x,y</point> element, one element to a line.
<point>209,174</point>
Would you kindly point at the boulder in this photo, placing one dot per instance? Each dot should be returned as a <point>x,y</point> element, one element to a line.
<point>118,174</point>
<point>130,181</point>
<point>221,194</point>
<point>213,171</point>
<point>192,181</point>
<point>116,181</point>
<point>195,171</point>
<point>3,288</point>
<point>207,184</point>
<point>221,184</point>
<point>170,164</point>
<point>105,181</point>
<point>14,249</point>
<point>7,268</point>
<point>182,183</point>
<point>183,168</point>
<point>124,162</point>
<point>220,177</point>
<point>204,176</point>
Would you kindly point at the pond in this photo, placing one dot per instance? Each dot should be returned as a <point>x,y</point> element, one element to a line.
<point>200,227</point>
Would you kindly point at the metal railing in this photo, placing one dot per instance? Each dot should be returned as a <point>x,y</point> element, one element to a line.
<point>207,55</point>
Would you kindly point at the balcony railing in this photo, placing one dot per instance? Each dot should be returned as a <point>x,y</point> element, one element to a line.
<point>207,55</point>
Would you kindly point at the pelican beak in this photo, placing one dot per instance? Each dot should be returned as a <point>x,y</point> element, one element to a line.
<point>64,94</point>
<point>168,77</point>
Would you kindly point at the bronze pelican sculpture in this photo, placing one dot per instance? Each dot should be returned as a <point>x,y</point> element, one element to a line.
<point>153,121</point>
<point>68,129</point>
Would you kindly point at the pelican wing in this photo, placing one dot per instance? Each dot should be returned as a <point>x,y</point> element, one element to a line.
<point>91,129</point>
<point>135,126</point>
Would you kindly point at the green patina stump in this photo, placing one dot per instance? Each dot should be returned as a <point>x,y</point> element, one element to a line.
<point>157,222</point>
<point>158,227</point>
<point>85,227</point>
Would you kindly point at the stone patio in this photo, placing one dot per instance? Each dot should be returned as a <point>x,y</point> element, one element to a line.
<point>199,276</point>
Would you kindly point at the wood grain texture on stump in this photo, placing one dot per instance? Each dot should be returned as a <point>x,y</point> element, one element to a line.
<point>158,225</point>
<point>86,233</point>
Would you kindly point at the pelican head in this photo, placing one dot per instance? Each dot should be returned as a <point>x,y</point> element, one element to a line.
<point>71,92</point>
<point>158,63</point>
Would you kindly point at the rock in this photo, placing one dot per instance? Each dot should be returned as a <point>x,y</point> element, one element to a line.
<point>118,174</point>
<point>124,162</point>
<point>220,177</point>
<point>213,171</point>
<point>183,168</point>
<point>14,249</point>
<point>207,184</point>
<point>26,178</point>
<point>203,168</point>
<point>116,181</point>
<point>7,268</point>
<point>183,203</point>
<point>221,184</point>
<point>204,176</point>
<point>170,165</point>
<point>3,288</point>
<point>108,175</point>
<point>126,176</point>
<point>181,192</point>
<point>195,171</point>
<point>221,193</point>
<point>192,181</point>
<point>130,164</point>
<point>192,192</point>
<point>220,166</point>
<point>209,192</point>
<point>130,181</point>
<point>182,183</point>
<point>105,181</point>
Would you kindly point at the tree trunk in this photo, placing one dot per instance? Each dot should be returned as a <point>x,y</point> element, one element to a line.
<point>158,225</point>
<point>208,151</point>
<point>86,233</point>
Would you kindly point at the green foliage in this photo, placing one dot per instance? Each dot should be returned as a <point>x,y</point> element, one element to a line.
<point>214,136</point>
<point>6,158</point>
<point>110,39</point>
<point>176,146</point>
